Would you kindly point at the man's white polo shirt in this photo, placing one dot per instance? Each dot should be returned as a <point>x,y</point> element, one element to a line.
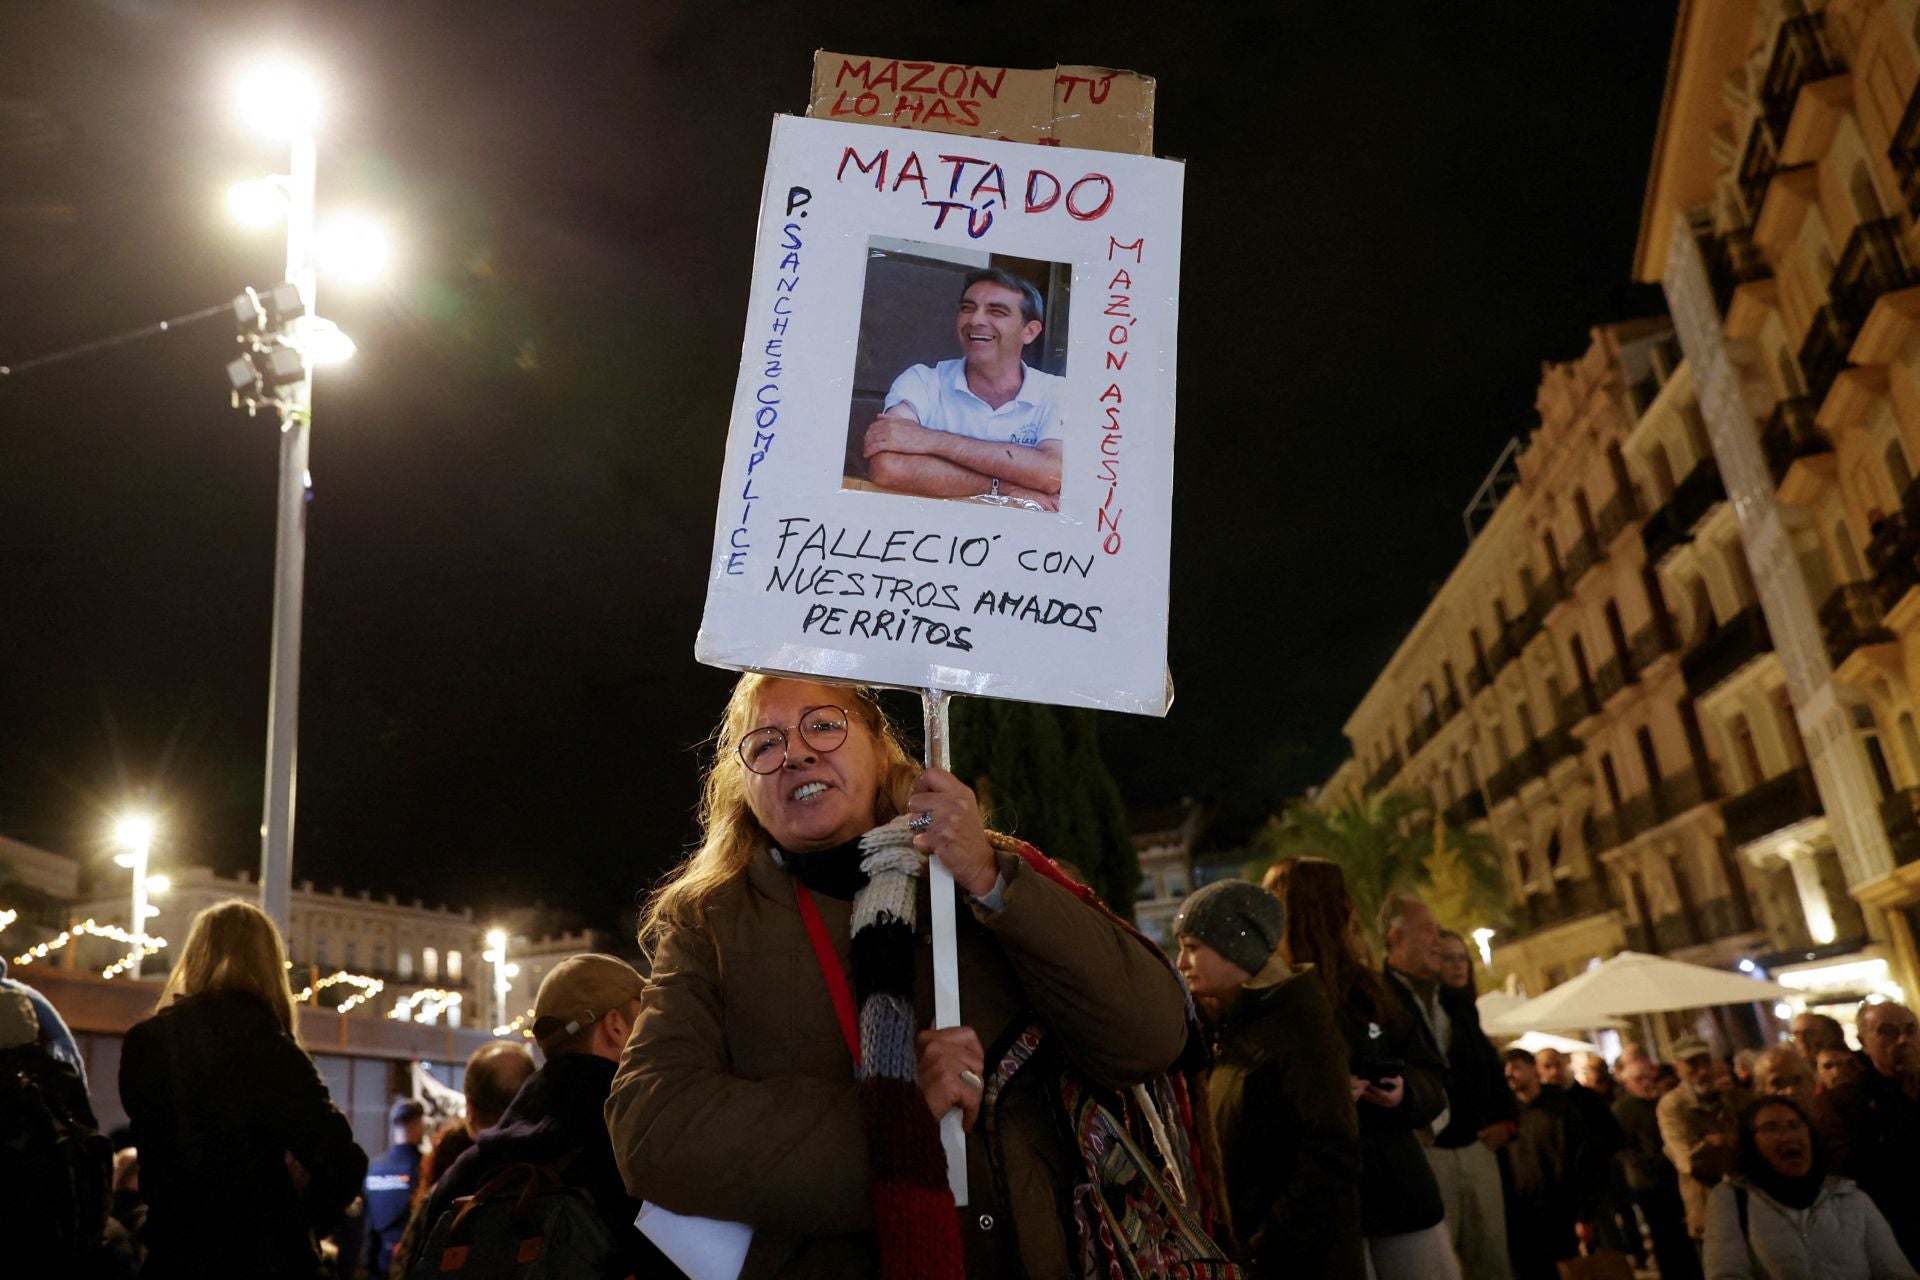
<point>943,402</point>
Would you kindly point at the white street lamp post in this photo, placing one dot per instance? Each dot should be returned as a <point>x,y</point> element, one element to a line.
<point>285,102</point>
<point>136,834</point>
<point>503,973</point>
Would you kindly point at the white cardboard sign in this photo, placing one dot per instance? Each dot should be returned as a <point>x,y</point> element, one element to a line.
<point>933,553</point>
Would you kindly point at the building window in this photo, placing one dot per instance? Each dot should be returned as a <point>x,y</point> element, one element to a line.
<point>453,966</point>
<point>406,965</point>
<point>379,957</point>
<point>320,952</point>
<point>353,955</point>
<point>430,964</point>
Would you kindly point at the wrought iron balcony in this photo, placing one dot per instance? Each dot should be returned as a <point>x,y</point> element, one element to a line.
<point>1578,705</point>
<point>1635,815</point>
<point>1558,744</point>
<point>1479,676</point>
<point>1500,652</point>
<point>1801,55</point>
<point>1648,643</point>
<point>1673,523</point>
<point>1823,352</point>
<point>1385,774</point>
<point>1732,259</point>
<point>1610,679</point>
<point>1850,618</point>
<point>1679,792</point>
<point>1580,557</point>
<point>1790,434</point>
<point>1621,510</point>
<point>1893,552</point>
<point>1874,263</point>
<point>1900,812</point>
<point>1734,644</point>
<point>1775,804</point>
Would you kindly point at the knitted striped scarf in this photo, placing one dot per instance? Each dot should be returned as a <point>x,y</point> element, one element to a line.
<point>913,1209</point>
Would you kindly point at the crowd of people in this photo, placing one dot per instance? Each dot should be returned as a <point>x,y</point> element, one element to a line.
<point>1277,1101</point>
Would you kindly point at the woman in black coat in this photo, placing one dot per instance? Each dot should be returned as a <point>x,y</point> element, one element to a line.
<point>1398,1081</point>
<point>243,1155</point>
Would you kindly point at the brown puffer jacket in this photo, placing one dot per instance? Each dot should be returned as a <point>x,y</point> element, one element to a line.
<point>735,1098</point>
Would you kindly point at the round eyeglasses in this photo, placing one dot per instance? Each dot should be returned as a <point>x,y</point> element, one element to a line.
<point>765,750</point>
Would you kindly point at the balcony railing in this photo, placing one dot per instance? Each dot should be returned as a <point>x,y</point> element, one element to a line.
<point>1501,651</point>
<point>1900,812</point>
<point>1581,556</point>
<point>1569,900</point>
<point>1904,152</point>
<point>1648,643</point>
<point>1800,56</point>
<point>1791,434</point>
<point>1385,774</point>
<point>1578,705</point>
<point>1621,510</point>
<point>1673,523</point>
<point>1893,552</point>
<point>1734,644</point>
<point>1679,792</point>
<point>1467,808</point>
<point>1775,804</point>
<point>1558,744</point>
<point>1823,352</point>
<point>1874,263</point>
<point>1732,259</point>
<point>1479,676</point>
<point>1423,731</point>
<point>1610,679</point>
<point>1852,617</point>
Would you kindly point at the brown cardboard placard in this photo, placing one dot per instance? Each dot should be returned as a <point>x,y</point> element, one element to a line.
<point>1097,108</point>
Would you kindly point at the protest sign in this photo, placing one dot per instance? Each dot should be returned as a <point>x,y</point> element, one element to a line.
<point>1097,108</point>
<point>881,522</point>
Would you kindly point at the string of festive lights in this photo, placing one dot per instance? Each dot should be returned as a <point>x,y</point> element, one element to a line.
<point>365,989</point>
<point>425,1005</point>
<point>522,1025</point>
<point>7,918</point>
<point>143,944</point>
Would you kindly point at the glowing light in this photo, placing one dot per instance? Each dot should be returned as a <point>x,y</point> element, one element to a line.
<point>353,250</point>
<point>143,945</point>
<point>1857,974</point>
<point>157,884</point>
<point>425,1005</point>
<point>522,1026</point>
<point>496,938</point>
<point>1483,938</point>
<point>7,918</point>
<point>323,342</point>
<point>258,202</point>
<point>1783,1010</point>
<point>278,99</point>
<point>134,831</point>
<point>365,989</point>
<point>1746,966</point>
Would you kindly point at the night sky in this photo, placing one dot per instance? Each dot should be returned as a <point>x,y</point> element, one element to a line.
<point>1394,214</point>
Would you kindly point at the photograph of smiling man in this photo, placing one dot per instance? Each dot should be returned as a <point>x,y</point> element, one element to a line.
<point>984,424</point>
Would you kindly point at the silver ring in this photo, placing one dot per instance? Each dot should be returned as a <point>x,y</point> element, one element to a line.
<point>973,1080</point>
<point>920,821</point>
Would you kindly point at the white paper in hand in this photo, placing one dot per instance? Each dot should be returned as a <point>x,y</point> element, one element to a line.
<point>704,1248</point>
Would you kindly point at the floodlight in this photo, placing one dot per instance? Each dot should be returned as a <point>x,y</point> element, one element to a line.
<point>496,938</point>
<point>258,202</point>
<point>323,341</point>
<point>158,884</point>
<point>125,859</point>
<point>278,99</point>
<point>353,250</point>
<point>135,831</point>
<point>1783,1010</point>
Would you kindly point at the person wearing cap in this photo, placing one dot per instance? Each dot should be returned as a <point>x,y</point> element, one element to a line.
<point>1699,1127</point>
<point>1278,1091</point>
<point>581,1018</point>
<point>388,1189</point>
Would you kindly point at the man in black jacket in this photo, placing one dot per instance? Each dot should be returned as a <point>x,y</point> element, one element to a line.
<point>1871,1128</point>
<point>1650,1176</point>
<point>582,1016</point>
<point>1480,1110</point>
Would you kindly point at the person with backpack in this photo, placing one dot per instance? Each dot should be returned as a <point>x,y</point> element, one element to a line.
<point>554,1137</point>
<point>243,1156</point>
<point>1780,1215</point>
<point>55,1165</point>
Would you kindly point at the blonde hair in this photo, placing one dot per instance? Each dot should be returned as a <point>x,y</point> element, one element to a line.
<point>729,833</point>
<point>233,946</point>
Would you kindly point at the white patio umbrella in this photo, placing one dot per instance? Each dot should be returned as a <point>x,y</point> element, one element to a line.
<point>1498,1010</point>
<point>1535,1041</point>
<point>1632,983</point>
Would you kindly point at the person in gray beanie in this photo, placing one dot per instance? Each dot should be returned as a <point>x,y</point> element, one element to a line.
<point>1279,1095</point>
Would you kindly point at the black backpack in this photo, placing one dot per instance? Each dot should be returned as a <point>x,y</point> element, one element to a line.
<point>521,1223</point>
<point>55,1165</point>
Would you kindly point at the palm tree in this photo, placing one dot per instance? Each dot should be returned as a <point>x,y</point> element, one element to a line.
<point>1387,841</point>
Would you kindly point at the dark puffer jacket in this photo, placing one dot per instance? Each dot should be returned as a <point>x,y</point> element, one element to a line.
<point>1288,1135</point>
<point>1477,1093</point>
<point>219,1096</point>
<point>1397,1191</point>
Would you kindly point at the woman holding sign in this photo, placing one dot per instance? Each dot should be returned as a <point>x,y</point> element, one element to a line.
<point>782,1074</point>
